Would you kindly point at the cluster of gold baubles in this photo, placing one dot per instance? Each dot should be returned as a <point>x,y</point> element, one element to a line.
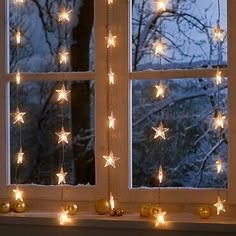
<point>17,206</point>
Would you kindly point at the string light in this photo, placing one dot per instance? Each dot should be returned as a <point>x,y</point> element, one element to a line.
<point>159,47</point>
<point>63,217</point>
<point>219,120</point>
<point>161,5</point>
<point>61,177</point>
<point>18,76</point>
<point>111,77</point>
<point>63,136</point>
<point>218,77</point>
<point>64,15</point>
<point>18,116</point>
<point>160,218</point>
<point>18,194</point>
<point>20,155</point>
<point>111,40</point>
<point>160,131</point>
<point>110,160</point>
<point>112,202</point>
<point>219,205</point>
<point>64,56</point>
<point>219,165</point>
<point>19,2</point>
<point>218,33</point>
<point>111,121</point>
<point>18,37</point>
<point>110,2</point>
<point>160,174</point>
<point>160,90</point>
<point>63,94</point>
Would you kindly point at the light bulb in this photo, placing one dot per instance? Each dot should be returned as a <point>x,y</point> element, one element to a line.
<point>18,76</point>
<point>64,15</point>
<point>161,5</point>
<point>63,217</point>
<point>63,136</point>
<point>219,166</point>
<point>64,56</point>
<point>160,174</point>
<point>219,120</point>
<point>110,160</point>
<point>111,121</point>
<point>159,48</point>
<point>111,77</point>
<point>18,37</point>
<point>111,40</point>
<point>112,202</point>
<point>219,205</point>
<point>160,218</point>
<point>160,90</point>
<point>18,194</point>
<point>218,77</point>
<point>160,131</point>
<point>218,33</point>
<point>20,155</point>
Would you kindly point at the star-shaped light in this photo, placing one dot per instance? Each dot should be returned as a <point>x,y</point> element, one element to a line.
<point>160,174</point>
<point>64,15</point>
<point>219,120</point>
<point>111,76</point>
<point>18,37</point>
<point>218,33</point>
<point>112,202</point>
<point>159,48</point>
<point>64,57</point>
<point>63,136</point>
<point>160,90</point>
<point>111,40</point>
<point>18,2</point>
<point>219,205</point>
<point>18,194</point>
<point>111,121</point>
<point>18,116</point>
<point>160,131</point>
<point>20,155</point>
<point>63,217</point>
<point>160,218</point>
<point>18,76</point>
<point>218,77</point>
<point>219,165</point>
<point>110,160</point>
<point>63,94</point>
<point>161,5</point>
<point>110,2</point>
<point>61,177</point>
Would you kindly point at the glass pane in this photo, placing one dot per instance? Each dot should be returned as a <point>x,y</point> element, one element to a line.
<point>43,119</point>
<point>191,146</point>
<point>186,29</point>
<point>45,36</point>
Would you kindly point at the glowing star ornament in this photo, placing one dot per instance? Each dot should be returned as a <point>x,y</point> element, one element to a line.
<point>111,40</point>
<point>219,205</point>
<point>63,136</point>
<point>218,77</point>
<point>19,2</point>
<point>159,48</point>
<point>110,2</point>
<point>18,194</point>
<point>61,177</point>
<point>112,202</point>
<point>18,116</point>
<point>110,160</point>
<point>160,218</point>
<point>160,174</point>
<point>18,37</point>
<point>63,94</point>
<point>18,76</point>
<point>160,90</point>
<point>63,217</point>
<point>218,33</point>
<point>219,166</point>
<point>161,5</point>
<point>111,77</point>
<point>20,155</point>
<point>111,121</point>
<point>219,120</point>
<point>64,57</point>
<point>64,15</point>
<point>160,131</point>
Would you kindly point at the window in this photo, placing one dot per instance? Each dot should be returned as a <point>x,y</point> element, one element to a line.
<point>134,72</point>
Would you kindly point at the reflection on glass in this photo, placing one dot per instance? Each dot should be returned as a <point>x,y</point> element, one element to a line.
<point>43,119</point>
<point>192,145</point>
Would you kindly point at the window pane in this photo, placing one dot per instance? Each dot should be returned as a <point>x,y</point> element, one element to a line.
<point>187,30</point>
<point>44,37</point>
<point>192,145</point>
<point>43,119</point>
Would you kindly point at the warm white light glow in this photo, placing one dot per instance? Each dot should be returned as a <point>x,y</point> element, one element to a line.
<point>110,1</point>
<point>63,94</point>
<point>218,33</point>
<point>18,194</point>
<point>219,120</point>
<point>19,2</point>
<point>64,15</point>
<point>160,218</point>
<point>111,40</point>
<point>218,77</point>
<point>18,37</point>
<point>63,217</point>
<point>219,166</point>
<point>161,5</point>
<point>160,131</point>
<point>20,155</point>
<point>63,136</point>
<point>111,77</point>
<point>219,205</point>
<point>160,174</point>
<point>111,121</point>
<point>61,177</point>
<point>64,57</point>
<point>18,76</point>
<point>18,116</point>
<point>112,202</point>
<point>110,160</point>
<point>159,48</point>
<point>160,93</point>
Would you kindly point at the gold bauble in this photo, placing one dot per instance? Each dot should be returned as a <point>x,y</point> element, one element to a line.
<point>119,212</point>
<point>204,211</point>
<point>102,206</point>
<point>71,208</point>
<point>5,207</point>
<point>145,210</point>
<point>19,206</point>
<point>112,212</point>
<point>154,210</point>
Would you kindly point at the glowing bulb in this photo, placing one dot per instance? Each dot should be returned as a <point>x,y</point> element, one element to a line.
<point>18,194</point>
<point>219,120</point>
<point>61,177</point>
<point>63,94</point>
<point>219,205</point>
<point>160,174</point>
<point>110,160</point>
<point>161,5</point>
<point>19,2</point>
<point>111,40</point>
<point>111,121</point>
<point>64,15</point>
<point>160,93</point>
<point>219,166</point>
<point>218,77</point>
<point>63,217</point>
<point>63,136</point>
<point>112,202</point>
<point>160,131</point>
<point>111,76</point>
<point>160,218</point>
<point>18,116</point>
<point>18,37</point>
<point>64,57</point>
<point>20,155</point>
<point>110,1</point>
<point>18,76</point>
<point>159,48</point>
<point>218,33</point>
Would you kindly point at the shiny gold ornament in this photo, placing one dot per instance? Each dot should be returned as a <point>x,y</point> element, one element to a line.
<point>112,212</point>
<point>19,206</point>
<point>204,212</point>
<point>154,210</point>
<point>71,208</point>
<point>5,207</point>
<point>102,206</point>
<point>145,210</point>
<point>119,212</point>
